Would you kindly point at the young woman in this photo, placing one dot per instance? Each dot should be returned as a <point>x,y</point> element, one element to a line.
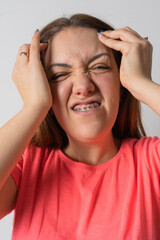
<point>75,162</point>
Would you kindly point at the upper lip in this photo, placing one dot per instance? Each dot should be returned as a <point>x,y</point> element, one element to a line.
<point>89,101</point>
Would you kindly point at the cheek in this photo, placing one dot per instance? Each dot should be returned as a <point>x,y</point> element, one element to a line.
<point>109,85</point>
<point>60,93</point>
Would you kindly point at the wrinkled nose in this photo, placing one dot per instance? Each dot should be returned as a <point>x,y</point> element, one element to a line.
<point>82,85</point>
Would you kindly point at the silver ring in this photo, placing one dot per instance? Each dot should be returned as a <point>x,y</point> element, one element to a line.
<point>24,53</point>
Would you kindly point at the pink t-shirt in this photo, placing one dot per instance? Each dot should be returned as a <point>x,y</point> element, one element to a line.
<point>61,199</point>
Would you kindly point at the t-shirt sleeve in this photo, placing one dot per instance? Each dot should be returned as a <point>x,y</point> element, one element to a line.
<point>17,172</point>
<point>152,151</point>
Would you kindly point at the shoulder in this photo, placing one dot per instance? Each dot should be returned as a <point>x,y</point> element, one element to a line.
<point>34,151</point>
<point>144,152</point>
<point>143,144</point>
<point>36,155</point>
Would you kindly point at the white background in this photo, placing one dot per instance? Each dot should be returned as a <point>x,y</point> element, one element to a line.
<point>20,18</point>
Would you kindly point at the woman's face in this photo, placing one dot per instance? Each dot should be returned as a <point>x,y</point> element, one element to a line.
<point>85,84</point>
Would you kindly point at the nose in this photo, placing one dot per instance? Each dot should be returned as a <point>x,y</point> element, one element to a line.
<point>82,84</point>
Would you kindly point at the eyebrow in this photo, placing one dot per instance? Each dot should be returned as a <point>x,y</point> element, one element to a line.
<point>97,56</point>
<point>70,66</point>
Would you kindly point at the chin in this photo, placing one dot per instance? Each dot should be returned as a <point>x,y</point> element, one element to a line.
<point>90,134</point>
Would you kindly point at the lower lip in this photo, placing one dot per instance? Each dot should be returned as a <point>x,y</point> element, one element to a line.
<point>89,112</point>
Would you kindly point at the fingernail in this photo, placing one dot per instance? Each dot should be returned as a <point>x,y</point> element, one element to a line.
<point>100,33</point>
<point>37,30</point>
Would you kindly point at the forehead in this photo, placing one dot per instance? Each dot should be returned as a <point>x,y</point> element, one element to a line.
<point>74,44</point>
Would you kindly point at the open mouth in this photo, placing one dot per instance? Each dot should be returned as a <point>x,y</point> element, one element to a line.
<point>86,107</point>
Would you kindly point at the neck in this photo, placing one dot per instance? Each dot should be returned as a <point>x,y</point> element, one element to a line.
<point>92,152</point>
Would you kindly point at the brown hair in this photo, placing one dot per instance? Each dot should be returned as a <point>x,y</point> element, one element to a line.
<point>128,123</point>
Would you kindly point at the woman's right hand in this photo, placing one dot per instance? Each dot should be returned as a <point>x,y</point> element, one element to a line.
<point>29,76</point>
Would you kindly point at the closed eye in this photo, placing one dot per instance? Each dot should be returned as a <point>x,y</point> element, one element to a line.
<point>59,77</point>
<point>100,68</point>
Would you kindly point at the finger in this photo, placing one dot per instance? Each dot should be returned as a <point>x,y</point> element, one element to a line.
<point>131,30</point>
<point>125,34</point>
<point>35,46</point>
<point>23,53</point>
<point>117,45</point>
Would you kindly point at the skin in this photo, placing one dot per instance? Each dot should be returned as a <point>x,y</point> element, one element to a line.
<point>89,133</point>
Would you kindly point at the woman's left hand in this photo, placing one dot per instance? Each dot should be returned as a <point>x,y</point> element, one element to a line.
<point>136,61</point>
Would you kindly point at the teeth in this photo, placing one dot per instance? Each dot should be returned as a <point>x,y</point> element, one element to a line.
<point>87,107</point>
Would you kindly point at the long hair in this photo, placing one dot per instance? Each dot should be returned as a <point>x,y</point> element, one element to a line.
<point>128,123</point>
